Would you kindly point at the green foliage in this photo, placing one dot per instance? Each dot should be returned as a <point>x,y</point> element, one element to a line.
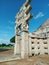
<point>12,39</point>
<point>3,44</point>
<point>10,45</point>
<point>0,45</point>
<point>6,45</point>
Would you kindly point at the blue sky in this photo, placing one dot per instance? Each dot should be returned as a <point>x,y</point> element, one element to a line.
<point>8,11</point>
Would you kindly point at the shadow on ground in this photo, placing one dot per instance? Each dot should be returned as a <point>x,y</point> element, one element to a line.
<point>2,50</point>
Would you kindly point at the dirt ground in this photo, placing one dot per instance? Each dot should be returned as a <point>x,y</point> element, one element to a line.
<point>5,51</point>
<point>30,61</point>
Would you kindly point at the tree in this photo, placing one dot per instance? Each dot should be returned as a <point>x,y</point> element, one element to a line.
<point>12,39</point>
<point>3,44</point>
<point>0,45</point>
<point>10,45</point>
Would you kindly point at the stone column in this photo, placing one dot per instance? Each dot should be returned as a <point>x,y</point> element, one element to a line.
<point>48,44</point>
<point>36,47</point>
<point>17,43</point>
<point>30,49</point>
<point>24,44</point>
<point>41,47</point>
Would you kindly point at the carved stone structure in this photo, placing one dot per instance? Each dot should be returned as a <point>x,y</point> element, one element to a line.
<point>26,44</point>
<point>22,18</point>
<point>39,40</point>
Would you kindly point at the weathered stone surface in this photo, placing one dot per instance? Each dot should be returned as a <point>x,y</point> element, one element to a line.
<point>22,22</point>
<point>40,63</point>
<point>38,43</point>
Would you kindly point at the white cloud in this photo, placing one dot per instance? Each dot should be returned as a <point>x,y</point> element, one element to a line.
<point>11,22</point>
<point>10,28</point>
<point>5,35</point>
<point>48,4</point>
<point>2,41</point>
<point>7,41</point>
<point>40,14</point>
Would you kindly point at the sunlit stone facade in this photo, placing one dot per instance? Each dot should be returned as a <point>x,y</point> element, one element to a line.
<point>39,40</point>
<point>30,44</point>
<point>21,30</point>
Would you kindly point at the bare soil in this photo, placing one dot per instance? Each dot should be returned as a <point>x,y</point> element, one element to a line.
<point>5,52</point>
<point>30,61</point>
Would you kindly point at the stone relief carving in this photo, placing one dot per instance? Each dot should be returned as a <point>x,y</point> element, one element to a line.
<point>18,31</point>
<point>24,26</point>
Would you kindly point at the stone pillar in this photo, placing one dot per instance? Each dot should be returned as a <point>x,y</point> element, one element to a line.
<point>41,47</point>
<point>30,49</point>
<point>36,47</point>
<point>17,43</point>
<point>48,44</point>
<point>24,44</point>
